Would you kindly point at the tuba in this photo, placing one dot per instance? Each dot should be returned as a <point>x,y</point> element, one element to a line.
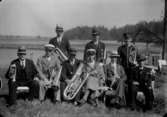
<point>61,55</point>
<point>76,83</point>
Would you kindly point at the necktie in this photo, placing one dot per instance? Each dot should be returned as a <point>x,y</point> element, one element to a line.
<point>22,64</point>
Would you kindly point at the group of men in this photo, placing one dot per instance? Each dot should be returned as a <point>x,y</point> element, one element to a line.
<point>118,82</point>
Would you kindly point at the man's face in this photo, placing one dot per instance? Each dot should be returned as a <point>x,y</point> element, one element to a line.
<point>113,60</point>
<point>72,56</point>
<point>48,51</point>
<point>21,56</point>
<point>91,58</point>
<point>96,37</point>
<point>128,41</point>
<point>59,33</point>
<point>142,63</point>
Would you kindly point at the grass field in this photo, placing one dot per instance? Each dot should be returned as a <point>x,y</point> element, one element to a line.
<point>47,109</point>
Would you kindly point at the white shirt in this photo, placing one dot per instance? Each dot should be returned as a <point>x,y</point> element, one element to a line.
<point>23,63</point>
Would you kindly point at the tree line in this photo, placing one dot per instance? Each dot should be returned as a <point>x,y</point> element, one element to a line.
<point>142,31</point>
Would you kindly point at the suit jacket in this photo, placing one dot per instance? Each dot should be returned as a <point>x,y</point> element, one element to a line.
<point>124,52</point>
<point>64,46</point>
<point>142,76</point>
<point>109,71</point>
<point>46,67</point>
<point>69,70</point>
<point>100,51</point>
<point>30,70</point>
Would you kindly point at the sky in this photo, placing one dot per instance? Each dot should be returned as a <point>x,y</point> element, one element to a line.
<point>40,17</point>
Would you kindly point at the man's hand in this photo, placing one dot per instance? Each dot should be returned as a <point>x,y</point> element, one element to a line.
<point>68,81</point>
<point>36,79</point>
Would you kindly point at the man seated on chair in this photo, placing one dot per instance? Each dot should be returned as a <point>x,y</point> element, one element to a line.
<point>95,79</point>
<point>143,86</point>
<point>22,72</point>
<point>49,68</point>
<point>115,80</point>
<point>69,69</point>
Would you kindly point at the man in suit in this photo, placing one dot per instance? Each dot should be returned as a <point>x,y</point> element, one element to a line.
<point>128,60</point>
<point>69,68</point>
<point>142,85</point>
<point>49,67</point>
<point>60,42</point>
<point>22,72</point>
<point>97,45</point>
<point>115,79</point>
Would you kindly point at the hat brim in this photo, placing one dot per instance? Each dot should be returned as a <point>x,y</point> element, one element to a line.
<point>140,60</point>
<point>59,30</point>
<point>23,53</point>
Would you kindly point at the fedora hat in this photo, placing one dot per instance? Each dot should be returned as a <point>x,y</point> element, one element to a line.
<point>49,46</point>
<point>59,29</point>
<point>141,58</point>
<point>72,51</point>
<point>91,52</point>
<point>21,50</point>
<point>95,32</point>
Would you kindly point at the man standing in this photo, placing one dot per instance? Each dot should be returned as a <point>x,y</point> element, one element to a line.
<point>115,79</point>
<point>69,68</point>
<point>60,42</point>
<point>22,72</point>
<point>97,45</point>
<point>128,53</point>
<point>49,72</point>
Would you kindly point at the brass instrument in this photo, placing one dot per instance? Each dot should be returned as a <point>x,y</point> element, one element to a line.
<point>12,72</point>
<point>132,55</point>
<point>76,83</point>
<point>61,55</point>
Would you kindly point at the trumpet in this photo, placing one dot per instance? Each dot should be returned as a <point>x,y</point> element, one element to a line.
<point>61,55</point>
<point>12,72</point>
<point>132,55</point>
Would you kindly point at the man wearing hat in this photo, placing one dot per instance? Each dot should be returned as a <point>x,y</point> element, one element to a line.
<point>60,42</point>
<point>142,83</point>
<point>97,45</point>
<point>115,79</point>
<point>95,79</point>
<point>22,72</point>
<point>128,54</point>
<point>69,68</point>
<point>49,67</point>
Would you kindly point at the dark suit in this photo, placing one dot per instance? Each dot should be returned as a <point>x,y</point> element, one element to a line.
<point>24,77</point>
<point>68,71</point>
<point>144,78</point>
<point>64,45</point>
<point>100,50</point>
<point>124,52</point>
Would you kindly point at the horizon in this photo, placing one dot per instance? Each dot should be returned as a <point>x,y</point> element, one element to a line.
<point>39,18</point>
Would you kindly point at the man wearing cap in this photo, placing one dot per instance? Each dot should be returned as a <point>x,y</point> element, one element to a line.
<point>97,45</point>
<point>95,79</point>
<point>60,42</point>
<point>128,60</point>
<point>69,68</point>
<point>142,83</point>
<point>115,79</point>
<point>49,67</point>
<point>22,72</point>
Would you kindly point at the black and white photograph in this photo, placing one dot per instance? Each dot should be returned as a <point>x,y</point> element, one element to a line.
<point>83,58</point>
